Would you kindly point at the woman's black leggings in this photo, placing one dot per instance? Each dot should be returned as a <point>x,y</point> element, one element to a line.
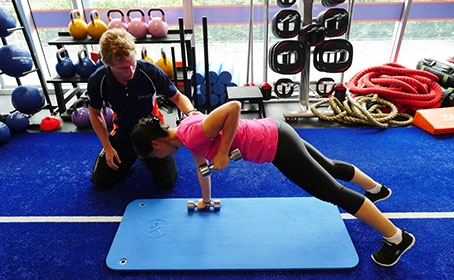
<point>313,172</point>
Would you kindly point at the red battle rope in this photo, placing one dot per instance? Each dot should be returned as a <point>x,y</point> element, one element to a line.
<point>408,89</point>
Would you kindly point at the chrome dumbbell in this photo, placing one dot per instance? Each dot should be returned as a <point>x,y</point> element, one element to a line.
<point>205,169</point>
<point>215,204</point>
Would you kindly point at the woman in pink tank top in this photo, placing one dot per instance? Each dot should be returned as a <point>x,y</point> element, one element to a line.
<point>212,138</point>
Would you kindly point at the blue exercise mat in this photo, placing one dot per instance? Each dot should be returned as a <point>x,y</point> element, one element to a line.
<point>245,234</point>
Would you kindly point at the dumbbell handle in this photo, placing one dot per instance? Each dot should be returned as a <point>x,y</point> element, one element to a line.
<point>205,169</point>
<point>192,204</point>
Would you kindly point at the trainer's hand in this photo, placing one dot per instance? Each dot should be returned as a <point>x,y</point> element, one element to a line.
<point>111,157</point>
<point>220,161</point>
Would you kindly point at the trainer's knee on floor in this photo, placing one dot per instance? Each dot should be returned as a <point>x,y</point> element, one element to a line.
<point>165,182</point>
<point>102,183</point>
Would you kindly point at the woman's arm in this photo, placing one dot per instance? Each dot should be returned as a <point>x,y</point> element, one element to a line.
<point>205,183</point>
<point>225,118</point>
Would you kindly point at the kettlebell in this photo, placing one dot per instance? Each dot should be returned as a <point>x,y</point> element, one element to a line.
<point>137,26</point>
<point>85,66</point>
<point>116,22</point>
<point>99,63</point>
<point>157,27</point>
<point>77,27</point>
<point>80,116</point>
<point>144,55</point>
<point>96,27</point>
<point>165,64</point>
<point>65,67</point>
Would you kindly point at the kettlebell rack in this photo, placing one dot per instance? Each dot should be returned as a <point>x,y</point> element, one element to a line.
<point>37,66</point>
<point>181,36</point>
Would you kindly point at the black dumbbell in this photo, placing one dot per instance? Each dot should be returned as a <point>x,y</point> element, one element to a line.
<point>216,204</point>
<point>205,169</point>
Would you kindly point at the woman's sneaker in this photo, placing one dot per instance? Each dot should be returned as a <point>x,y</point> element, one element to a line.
<point>383,194</point>
<point>390,253</point>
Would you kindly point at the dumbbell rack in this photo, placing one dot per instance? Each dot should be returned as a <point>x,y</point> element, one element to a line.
<point>305,7</point>
<point>181,35</point>
<point>24,27</point>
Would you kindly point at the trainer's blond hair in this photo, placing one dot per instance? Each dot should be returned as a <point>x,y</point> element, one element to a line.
<point>116,44</point>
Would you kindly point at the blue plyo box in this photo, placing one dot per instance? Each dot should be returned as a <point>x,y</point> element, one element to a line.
<point>245,234</point>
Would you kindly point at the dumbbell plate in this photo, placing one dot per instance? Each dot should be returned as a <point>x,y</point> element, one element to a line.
<point>217,205</point>
<point>192,205</point>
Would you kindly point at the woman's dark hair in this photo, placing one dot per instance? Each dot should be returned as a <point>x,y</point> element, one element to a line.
<point>145,131</point>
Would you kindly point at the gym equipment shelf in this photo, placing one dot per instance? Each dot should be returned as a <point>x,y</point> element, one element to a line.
<point>64,38</point>
<point>172,37</point>
<point>57,81</point>
<point>37,66</point>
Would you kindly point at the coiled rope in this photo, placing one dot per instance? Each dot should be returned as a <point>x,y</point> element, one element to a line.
<point>408,89</point>
<point>364,110</point>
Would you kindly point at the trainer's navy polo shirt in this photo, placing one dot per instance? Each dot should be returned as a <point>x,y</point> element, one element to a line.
<point>130,102</point>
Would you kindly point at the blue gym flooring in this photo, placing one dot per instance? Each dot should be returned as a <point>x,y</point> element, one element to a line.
<point>47,174</point>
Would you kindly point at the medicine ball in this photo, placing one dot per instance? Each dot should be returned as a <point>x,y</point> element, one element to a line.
<point>7,21</point>
<point>50,123</point>
<point>17,122</point>
<point>15,60</point>
<point>107,112</point>
<point>27,99</point>
<point>5,134</point>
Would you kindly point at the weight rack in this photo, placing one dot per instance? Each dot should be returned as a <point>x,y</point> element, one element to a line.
<point>305,7</point>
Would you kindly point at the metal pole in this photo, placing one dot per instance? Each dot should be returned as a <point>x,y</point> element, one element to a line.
<point>351,4</point>
<point>265,41</point>
<point>305,8</point>
<point>399,31</point>
<point>188,16</point>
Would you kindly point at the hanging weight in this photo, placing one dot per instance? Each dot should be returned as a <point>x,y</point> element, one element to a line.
<point>285,3</point>
<point>334,20</point>
<point>332,3</point>
<point>287,57</point>
<point>333,56</point>
<point>284,88</point>
<point>286,24</point>
<point>325,86</point>
<point>313,34</point>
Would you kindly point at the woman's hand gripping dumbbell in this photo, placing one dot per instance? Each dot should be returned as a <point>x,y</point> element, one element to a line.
<point>202,205</point>
<point>205,169</point>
